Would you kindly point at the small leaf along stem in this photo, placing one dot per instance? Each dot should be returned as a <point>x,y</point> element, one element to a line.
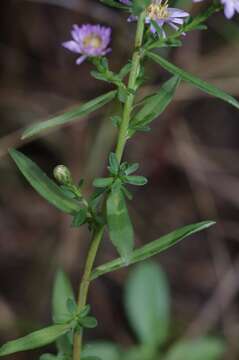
<point>121,142</point>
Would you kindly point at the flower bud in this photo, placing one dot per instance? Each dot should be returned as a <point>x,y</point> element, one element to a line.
<point>62,175</point>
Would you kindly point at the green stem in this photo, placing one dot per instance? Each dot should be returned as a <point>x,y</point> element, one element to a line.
<point>132,86</point>
<point>122,138</point>
<point>84,286</point>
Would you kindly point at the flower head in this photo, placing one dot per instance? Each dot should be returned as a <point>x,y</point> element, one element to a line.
<point>230,7</point>
<point>89,41</point>
<point>160,13</point>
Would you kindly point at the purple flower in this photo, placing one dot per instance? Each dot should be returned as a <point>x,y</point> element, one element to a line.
<point>159,12</point>
<point>89,41</point>
<point>230,7</point>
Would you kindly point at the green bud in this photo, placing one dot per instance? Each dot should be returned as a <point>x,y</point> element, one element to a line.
<point>62,175</point>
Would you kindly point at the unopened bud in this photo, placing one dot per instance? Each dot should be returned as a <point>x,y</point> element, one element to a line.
<point>62,175</point>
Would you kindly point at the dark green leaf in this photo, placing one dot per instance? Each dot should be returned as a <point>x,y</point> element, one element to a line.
<point>131,168</point>
<point>153,248</point>
<point>119,224</point>
<point>35,339</point>
<point>200,349</point>
<point>88,322</point>
<point>79,218</point>
<point>70,116</point>
<point>103,182</point>
<point>114,164</point>
<point>85,311</point>
<point>71,306</point>
<point>62,292</point>
<point>155,104</point>
<point>136,180</point>
<point>125,70</point>
<point>148,304</point>
<point>44,185</point>
<point>139,6</point>
<point>201,84</point>
<point>114,4</point>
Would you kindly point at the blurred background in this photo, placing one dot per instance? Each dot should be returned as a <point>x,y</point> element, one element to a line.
<point>190,158</point>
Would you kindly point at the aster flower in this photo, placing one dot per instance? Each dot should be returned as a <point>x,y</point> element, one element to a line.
<point>160,13</point>
<point>230,7</point>
<point>89,41</point>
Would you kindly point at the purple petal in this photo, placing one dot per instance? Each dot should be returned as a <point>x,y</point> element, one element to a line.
<point>173,12</point>
<point>72,46</point>
<point>81,59</point>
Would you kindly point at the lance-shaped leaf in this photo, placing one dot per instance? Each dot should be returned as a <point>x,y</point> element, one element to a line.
<point>194,80</point>
<point>103,350</point>
<point>47,188</point>
<point>198,349</point>
<point>119,224</point>
<point>35,340</point>
<point>62,292</point>
<point>147,303</point>
<point>68,117</point>
<point>153,248</point>
<point>155,104</point>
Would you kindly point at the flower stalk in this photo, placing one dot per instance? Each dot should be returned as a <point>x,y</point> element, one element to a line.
<point>121,142</point>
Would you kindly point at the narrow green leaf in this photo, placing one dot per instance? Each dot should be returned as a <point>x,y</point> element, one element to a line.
<point>113,163</point>
<point>147,303</point>
<point>115,4</point>
<point>103,182</point>
<point>62,292</point>
<point>199,349</point>
<point>136,180</point>
<point>119,224</point>
<point>201,84</point>
<point>35,339</point>
<point>80,218</point>
<point>88,322</point>
<point>47,188</point>
<point>70,116</point>
<point>155,104</point>
<point>153,248</point>
<point>105,351</point>
<point>48,357</point>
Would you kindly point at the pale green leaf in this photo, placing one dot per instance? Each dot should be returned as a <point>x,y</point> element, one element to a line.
<point>155,104</point>
<point>103,350</point>
<point>62,292</point>
<point>69,116</point>
<point>147,303</point>
<point>47,188</point>
<point>119,224</point>
<point>200,349</point>
<point>194,80</point>
<point>153,248</point>
<point>35,339</point>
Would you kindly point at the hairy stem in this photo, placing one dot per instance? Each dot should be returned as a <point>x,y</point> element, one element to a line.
<point>122,138</point>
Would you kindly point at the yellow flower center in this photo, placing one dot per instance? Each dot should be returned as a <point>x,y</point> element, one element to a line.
<point>93,40</point>
<point>158,10</point>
